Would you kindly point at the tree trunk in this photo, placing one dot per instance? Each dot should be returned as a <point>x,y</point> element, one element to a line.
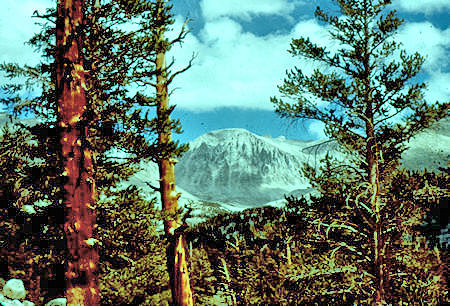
<point>372,160</point>
<point>78,163</point>
<point>176,253</point>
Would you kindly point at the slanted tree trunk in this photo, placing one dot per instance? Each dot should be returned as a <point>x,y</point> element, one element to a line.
<point>79,183</point>
<point>177,257</point>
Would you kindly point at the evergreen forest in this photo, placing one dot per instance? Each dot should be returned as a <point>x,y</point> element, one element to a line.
<point>69,228</point>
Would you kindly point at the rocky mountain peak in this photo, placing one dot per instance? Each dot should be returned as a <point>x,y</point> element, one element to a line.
<point>235,165</point>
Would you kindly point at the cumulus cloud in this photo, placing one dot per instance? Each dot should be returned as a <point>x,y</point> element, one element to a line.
<point>237,68</point>
<point>316,129</point>
<point>438,88</point>
<point>213,9</point>
<point>420,6</point>
<point>16,27</point>
<point>430,41</point>
<point>234,67</point>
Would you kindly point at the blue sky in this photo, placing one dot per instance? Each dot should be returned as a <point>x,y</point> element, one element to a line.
<point>241,48</point>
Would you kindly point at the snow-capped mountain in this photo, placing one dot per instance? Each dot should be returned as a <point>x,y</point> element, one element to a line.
<point>236,166</point>
<point>6,119</point>
<point>429,149</point>
<point>235,169</point>
<point>232,169</point>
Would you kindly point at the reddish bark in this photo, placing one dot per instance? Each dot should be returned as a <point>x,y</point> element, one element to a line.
<point>79,184</point>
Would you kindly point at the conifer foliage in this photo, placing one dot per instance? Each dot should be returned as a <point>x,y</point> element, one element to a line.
<point>369,105</point>
<point>115,58</point>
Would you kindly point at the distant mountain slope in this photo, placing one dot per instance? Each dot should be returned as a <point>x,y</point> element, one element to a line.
<point>6,119</point>
<point>233,169</point>
<point>429,149</point>
<point>234,165</point>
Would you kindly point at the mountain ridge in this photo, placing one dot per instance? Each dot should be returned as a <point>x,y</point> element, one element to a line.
<point>240,167</point>
<point>233,169</point>
<point>222,165</point>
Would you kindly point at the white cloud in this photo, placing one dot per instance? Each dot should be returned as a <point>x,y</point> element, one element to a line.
<point>432,43</point>
<point>213,9</point>
<point>16,27</point>
<point>429,41</point>
<point>426,6</point>
<point>317,129</point>
<point>237,68</point>
<point>438,88</point>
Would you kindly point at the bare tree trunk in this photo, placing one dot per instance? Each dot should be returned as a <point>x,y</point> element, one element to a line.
<point>79,183</point>
<point>177,257</point>
<point>372,160</point>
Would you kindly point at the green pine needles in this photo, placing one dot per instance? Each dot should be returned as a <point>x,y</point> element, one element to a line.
<point>370,105</point>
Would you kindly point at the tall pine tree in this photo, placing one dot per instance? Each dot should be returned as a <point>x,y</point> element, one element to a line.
<point>153,71</point>
<point>115,120</point>
<point>370,106</point>
<point>77,156</point>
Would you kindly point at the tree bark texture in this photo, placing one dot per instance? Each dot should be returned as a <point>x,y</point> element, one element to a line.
<point>372,159</point>
<point>177,259</point>
<point>78,162</point>
<point>176,253</point>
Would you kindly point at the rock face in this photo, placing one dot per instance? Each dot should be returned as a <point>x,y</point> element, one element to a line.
<point>57,302</point>
<point>238,167</point>
<point>429,149</point>
<point>232,169</point>
<point>14,289</point>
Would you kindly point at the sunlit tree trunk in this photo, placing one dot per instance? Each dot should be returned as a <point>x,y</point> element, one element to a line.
<point>177,257</point>
<point>78,162</point>
<point>375,204</point>
<point>372,160</point>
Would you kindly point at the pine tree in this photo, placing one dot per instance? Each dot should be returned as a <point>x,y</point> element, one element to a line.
<point>77,156</point>
<point>370,106</point>
<point>153,68</point>
<point>114,119</point>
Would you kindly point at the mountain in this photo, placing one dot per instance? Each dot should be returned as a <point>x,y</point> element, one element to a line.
<point>5,118</point>
<point>236,166</point>
<point>429,149</point>
<point>233,169</point>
